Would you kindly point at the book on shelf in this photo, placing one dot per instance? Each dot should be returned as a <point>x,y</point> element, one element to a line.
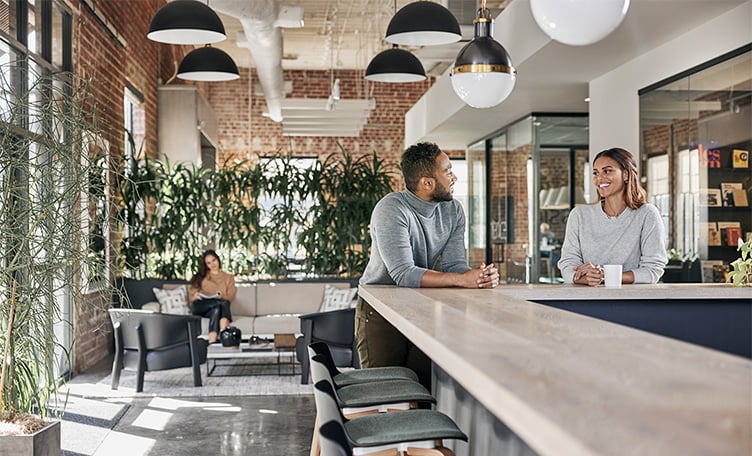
<point>710,197</point>
<point>732,235</point>
<point>706,269</point>
<point>727,192</point>
<point>740,158</point>
<point>732,224</point>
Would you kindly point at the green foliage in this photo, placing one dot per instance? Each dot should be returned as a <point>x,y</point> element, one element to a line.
<point>741,269</point>
<point>680,255</point>
<point>260,218</point>
<point>49,158</point>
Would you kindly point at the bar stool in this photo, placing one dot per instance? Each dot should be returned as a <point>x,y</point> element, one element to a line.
<point>333,440</point>
<point>351,377</point>
<point>412,432</point>
<point>374,397</point>
<point>374,394</point>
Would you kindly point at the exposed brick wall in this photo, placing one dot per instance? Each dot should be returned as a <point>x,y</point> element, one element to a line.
<point>247,134</point>
<point>109,64</point>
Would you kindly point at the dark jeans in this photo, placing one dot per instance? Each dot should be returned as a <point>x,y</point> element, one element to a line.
<point>381,344</point>
<point>213,309</point>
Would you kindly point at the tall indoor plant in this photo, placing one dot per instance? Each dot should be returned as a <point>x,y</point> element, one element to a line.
<point>51,159</point>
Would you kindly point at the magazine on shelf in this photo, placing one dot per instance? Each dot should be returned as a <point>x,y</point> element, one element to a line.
<point>710,197</point>
<point>710,230</point>
<point>727,192</point>
<point>740,197</point>
<point>733,224</point>
<point>740,158</point>
<point>733,235</point>
<point>723,228</point>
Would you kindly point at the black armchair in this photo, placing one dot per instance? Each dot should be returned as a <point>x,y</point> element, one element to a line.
<point>148,341</point>
<point>337,330</point>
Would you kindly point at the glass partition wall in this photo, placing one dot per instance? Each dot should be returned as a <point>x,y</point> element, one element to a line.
<point>536,170</point>
<point>696,134</point>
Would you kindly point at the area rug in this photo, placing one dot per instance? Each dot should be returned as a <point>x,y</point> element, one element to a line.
<point>234,381</point>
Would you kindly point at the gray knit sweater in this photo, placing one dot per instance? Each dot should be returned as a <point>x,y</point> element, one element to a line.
<point>410,235</point>
<point>634,239</point>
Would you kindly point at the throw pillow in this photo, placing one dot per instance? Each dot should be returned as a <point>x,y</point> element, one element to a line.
<point>337,298</point>
<point>172,301</point>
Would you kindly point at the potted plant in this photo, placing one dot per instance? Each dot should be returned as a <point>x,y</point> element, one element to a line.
<point>741,268</point>
<point>49,185</point>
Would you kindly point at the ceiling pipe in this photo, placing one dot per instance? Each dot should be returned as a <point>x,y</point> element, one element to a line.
<point>264,41</point>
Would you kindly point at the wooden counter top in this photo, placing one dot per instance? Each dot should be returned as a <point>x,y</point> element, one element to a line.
<point>571,384</point>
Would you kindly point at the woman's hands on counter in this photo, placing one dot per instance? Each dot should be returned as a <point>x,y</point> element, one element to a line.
<point>588,274</point>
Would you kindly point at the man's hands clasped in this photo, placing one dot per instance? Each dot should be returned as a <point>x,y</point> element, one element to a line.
<point>486,276</point>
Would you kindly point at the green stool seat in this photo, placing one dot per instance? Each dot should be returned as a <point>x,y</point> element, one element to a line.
<point>371,397</point>
<point>392,391</point>
<point>407,426</point>
<point>373,374</point>
<point>397,431</point>
<point>352,377</point>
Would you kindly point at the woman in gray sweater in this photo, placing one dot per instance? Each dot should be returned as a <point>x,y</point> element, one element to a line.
<point>623,228</point>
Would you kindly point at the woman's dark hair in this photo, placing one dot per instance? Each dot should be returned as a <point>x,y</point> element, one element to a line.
<point>202,269</point>
<point>419,160</point>
<point>634,195</point>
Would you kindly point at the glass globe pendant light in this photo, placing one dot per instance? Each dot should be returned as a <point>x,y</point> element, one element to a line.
<point>578,22</point>
<point>483,75</point>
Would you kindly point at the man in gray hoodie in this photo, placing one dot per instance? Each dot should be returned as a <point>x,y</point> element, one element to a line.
<point>418,240</point>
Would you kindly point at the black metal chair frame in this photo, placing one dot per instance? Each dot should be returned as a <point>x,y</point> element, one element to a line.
<point>336,329</point>
<point>170,338</point>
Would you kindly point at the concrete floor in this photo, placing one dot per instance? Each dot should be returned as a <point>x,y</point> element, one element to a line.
<point>250,425</point>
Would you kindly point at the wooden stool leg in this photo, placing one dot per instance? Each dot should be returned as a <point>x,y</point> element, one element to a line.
<point>315,447</point>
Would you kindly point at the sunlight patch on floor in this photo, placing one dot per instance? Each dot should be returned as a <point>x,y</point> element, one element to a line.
<point>116,442</point>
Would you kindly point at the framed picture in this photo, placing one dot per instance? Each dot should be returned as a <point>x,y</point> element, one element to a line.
<point>710,197</point>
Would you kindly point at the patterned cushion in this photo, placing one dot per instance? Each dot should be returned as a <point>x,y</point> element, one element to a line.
<point>337,298</point>
<point>173,301</point>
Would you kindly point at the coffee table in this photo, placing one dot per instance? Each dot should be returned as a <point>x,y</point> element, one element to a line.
<point>281,357</point>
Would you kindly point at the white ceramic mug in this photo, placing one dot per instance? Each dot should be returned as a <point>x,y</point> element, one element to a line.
<point>612,275</point>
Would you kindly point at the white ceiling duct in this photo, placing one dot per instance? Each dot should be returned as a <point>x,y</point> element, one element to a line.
<point>264,41</point>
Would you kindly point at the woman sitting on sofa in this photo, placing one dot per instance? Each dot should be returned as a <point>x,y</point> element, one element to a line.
<point>211,291</point>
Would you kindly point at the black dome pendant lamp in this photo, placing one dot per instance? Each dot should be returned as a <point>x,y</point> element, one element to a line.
<point>186,22</point>
<point>423,23</point>
<point>208,64</point>
<point>395,65</point>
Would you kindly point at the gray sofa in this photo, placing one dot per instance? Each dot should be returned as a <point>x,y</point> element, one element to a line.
<point>260,308</point>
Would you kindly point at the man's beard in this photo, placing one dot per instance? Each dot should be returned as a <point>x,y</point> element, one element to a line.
<point>441,193</point>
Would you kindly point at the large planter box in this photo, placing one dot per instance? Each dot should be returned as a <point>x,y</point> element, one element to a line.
<point>45,442</point>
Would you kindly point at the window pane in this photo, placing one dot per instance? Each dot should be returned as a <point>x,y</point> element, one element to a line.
<point>35,28</point>
<point>57,37</point>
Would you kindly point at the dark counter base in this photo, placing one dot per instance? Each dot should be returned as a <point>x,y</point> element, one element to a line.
<point>723,324</point>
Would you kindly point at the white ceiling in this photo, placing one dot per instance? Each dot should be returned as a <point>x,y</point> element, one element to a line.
<point>347,34</point>
<point>553,77</point>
